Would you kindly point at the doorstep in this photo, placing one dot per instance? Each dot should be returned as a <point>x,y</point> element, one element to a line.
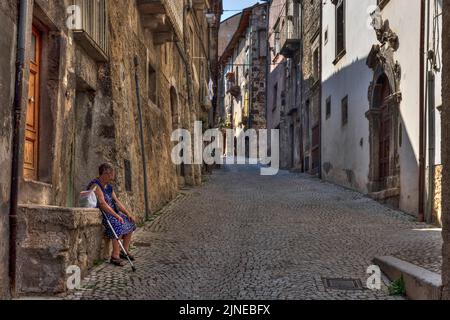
<point>420,283</point>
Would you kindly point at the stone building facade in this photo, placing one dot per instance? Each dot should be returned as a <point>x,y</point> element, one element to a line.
<point>242,76</point>
<point>297,32</point>
<point>276,77</point>
<point>310,86</point>
<point>294,82</point>
<point>288,32</point>
<point>380,97</point>
<point>80,108</point>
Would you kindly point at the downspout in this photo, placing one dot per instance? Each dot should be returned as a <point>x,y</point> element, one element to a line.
<point>422,144</point>
<point>184,55</point>
<point>141,133</point>
<point>300,113</point>
<point>320,92</point>
<point>268,64</point>
<point>250,77</point>
<point>16,164</point>
<point>431,142</point>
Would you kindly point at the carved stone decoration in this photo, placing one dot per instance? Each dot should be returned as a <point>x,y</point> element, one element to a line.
<point>386,35</point>
<point>384,104</point>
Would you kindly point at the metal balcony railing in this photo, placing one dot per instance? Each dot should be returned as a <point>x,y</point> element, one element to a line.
<point>93,31</point>
<point>290,35</point>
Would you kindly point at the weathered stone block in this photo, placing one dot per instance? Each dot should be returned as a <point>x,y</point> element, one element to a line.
<point>50,239</point>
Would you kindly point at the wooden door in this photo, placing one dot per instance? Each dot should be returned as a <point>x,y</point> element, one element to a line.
<point>31,148</point>
<point>385,136</point>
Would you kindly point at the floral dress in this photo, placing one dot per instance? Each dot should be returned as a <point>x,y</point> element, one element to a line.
<point>120,229</point>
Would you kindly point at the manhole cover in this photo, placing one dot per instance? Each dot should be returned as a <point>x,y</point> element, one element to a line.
<point>343,284</point>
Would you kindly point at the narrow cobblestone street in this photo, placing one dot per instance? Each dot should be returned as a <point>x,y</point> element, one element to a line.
<point>246,236</point>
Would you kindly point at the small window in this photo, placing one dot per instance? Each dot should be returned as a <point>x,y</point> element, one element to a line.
<point>152,84</point>
<point>306,124</point>
<point>345,111</point>
<point>316,64</point>
<point>128,180</point>
<point>340,29</point>
<point>328,108</point>
<point>275,97</point>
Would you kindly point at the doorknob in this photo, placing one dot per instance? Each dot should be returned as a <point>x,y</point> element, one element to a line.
<point>31,99</point>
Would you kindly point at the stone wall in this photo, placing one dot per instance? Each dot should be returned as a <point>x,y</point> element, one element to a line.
<point>437,202</point>
<point>50,239</point>
<point>258,71</point>
<point>91,112</point>
<point>310,83</point>
<point>446,150</point>
<point>8,25</point>
<point>89,116</point>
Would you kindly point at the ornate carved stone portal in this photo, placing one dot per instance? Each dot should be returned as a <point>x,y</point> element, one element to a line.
<point>384,117</point>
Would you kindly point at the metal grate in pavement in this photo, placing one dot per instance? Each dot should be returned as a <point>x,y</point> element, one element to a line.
<point>342,284</point>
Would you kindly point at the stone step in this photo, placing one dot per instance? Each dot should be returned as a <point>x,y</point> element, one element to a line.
<point>420,283</point>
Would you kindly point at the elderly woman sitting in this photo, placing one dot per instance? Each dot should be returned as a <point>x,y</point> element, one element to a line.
<point>120,218</point>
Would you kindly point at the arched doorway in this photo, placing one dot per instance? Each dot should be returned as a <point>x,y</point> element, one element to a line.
<point>383,116</point>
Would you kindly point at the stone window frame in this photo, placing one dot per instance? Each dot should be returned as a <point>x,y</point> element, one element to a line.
<point>344,111</point>
<point>151,65</point>
<point>328,108</point>
<point>315,47</point>
<point>343,52</point>
<point>382,3</point>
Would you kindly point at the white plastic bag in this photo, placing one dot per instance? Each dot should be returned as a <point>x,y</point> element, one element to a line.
<point>88,199</point>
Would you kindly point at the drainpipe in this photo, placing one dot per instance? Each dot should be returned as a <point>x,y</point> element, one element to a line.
<point>141,132</point>
<point>184,55</point>
<point>16,164</point>
<point>431,143</point>
<point>422,144</point>
<point>320,91</point>
<point>250,77</point>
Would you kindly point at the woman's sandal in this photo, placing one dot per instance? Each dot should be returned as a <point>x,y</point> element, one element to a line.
<point>124,256</point>
<point>117,262</point>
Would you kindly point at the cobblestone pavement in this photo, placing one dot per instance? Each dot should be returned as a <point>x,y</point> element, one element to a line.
<point>246,236</point>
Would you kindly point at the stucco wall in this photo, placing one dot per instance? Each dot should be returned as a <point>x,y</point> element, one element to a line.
<point>408,56</point>
<point>344,160</point>
<point>346,148</point>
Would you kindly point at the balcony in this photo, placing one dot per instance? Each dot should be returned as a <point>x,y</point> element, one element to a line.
<point>163,18</point>
<point>92,33</point>
<point>290,35</point>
